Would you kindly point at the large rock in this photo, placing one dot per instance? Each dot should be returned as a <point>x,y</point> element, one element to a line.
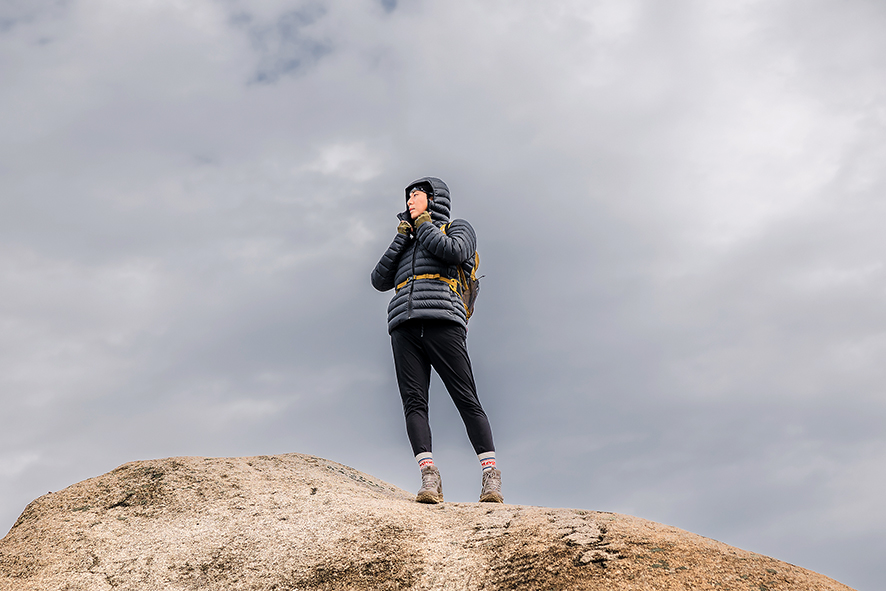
<point>300,522</point>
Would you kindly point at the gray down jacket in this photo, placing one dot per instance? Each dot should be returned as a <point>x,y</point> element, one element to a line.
<point>426,252</point>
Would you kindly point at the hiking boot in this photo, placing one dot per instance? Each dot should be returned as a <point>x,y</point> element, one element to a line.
<point>491,492</point>
<point>431,490</point>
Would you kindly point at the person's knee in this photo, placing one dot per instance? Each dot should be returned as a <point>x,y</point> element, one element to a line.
<point>473,415</point>
<point>414,408</point>
<point>468,404</point>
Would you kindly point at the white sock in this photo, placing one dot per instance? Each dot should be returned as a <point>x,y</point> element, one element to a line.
<point>425,459</point>
<point>487,460</point>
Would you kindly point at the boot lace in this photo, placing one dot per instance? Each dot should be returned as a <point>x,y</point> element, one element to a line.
<point>429,480</point>
<point>491,482</point>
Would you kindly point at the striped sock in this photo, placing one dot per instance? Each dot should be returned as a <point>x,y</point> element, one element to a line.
<point>425,459</point>
<point>487,460</point>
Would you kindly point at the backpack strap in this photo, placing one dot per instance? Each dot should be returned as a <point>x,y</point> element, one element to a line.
<point>453,283</point>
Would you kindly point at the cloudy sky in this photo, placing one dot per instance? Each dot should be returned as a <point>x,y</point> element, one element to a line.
<point>680,211</point>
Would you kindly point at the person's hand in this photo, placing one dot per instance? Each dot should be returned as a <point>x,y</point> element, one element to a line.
<point>404,228</point>
<point>424,217</point>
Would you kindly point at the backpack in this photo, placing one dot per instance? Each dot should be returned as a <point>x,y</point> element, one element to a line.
<point>468,284</point>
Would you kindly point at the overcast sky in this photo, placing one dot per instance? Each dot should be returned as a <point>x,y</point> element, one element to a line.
<point>680,213</point>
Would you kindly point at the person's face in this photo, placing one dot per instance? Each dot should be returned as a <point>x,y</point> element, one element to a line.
<point>418,203</point>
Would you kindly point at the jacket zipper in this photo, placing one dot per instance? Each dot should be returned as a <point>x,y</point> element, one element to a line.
<point>411,283</point>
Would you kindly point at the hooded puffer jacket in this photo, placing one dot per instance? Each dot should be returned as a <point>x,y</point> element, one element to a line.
<point>427,251</point>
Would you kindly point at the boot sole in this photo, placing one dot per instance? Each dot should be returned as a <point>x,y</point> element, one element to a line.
<point>492,497</point>
<point>429,497</point>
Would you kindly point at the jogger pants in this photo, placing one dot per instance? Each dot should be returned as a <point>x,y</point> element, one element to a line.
<point>419,345</point>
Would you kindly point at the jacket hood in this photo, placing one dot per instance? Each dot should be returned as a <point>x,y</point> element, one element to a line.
<point>438,198</point>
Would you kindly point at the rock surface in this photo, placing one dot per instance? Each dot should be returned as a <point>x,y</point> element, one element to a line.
<point>296,522</point>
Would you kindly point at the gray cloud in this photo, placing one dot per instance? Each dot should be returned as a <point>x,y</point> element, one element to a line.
<point>679,218</point>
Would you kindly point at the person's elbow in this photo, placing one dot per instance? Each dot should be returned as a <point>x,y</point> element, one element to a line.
<point>379,282</point>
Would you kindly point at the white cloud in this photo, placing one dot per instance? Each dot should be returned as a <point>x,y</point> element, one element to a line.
<point>13,464</point>
<point>352,161</point>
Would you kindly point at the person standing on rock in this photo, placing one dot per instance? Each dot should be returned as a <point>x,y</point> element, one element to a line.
<point>427,321</point>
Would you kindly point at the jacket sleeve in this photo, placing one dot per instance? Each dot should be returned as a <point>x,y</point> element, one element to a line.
<point>386,270</point>
<point>454,247</point>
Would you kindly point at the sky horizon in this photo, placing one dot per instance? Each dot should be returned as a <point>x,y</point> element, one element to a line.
<point>679,215</point>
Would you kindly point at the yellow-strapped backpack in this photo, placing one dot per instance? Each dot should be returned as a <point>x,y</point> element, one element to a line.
<point>466,285</point>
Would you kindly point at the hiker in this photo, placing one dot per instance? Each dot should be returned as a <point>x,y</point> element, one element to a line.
<point>427,321</point>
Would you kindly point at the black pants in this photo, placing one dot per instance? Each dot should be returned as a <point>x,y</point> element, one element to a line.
<point>419,345</point>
